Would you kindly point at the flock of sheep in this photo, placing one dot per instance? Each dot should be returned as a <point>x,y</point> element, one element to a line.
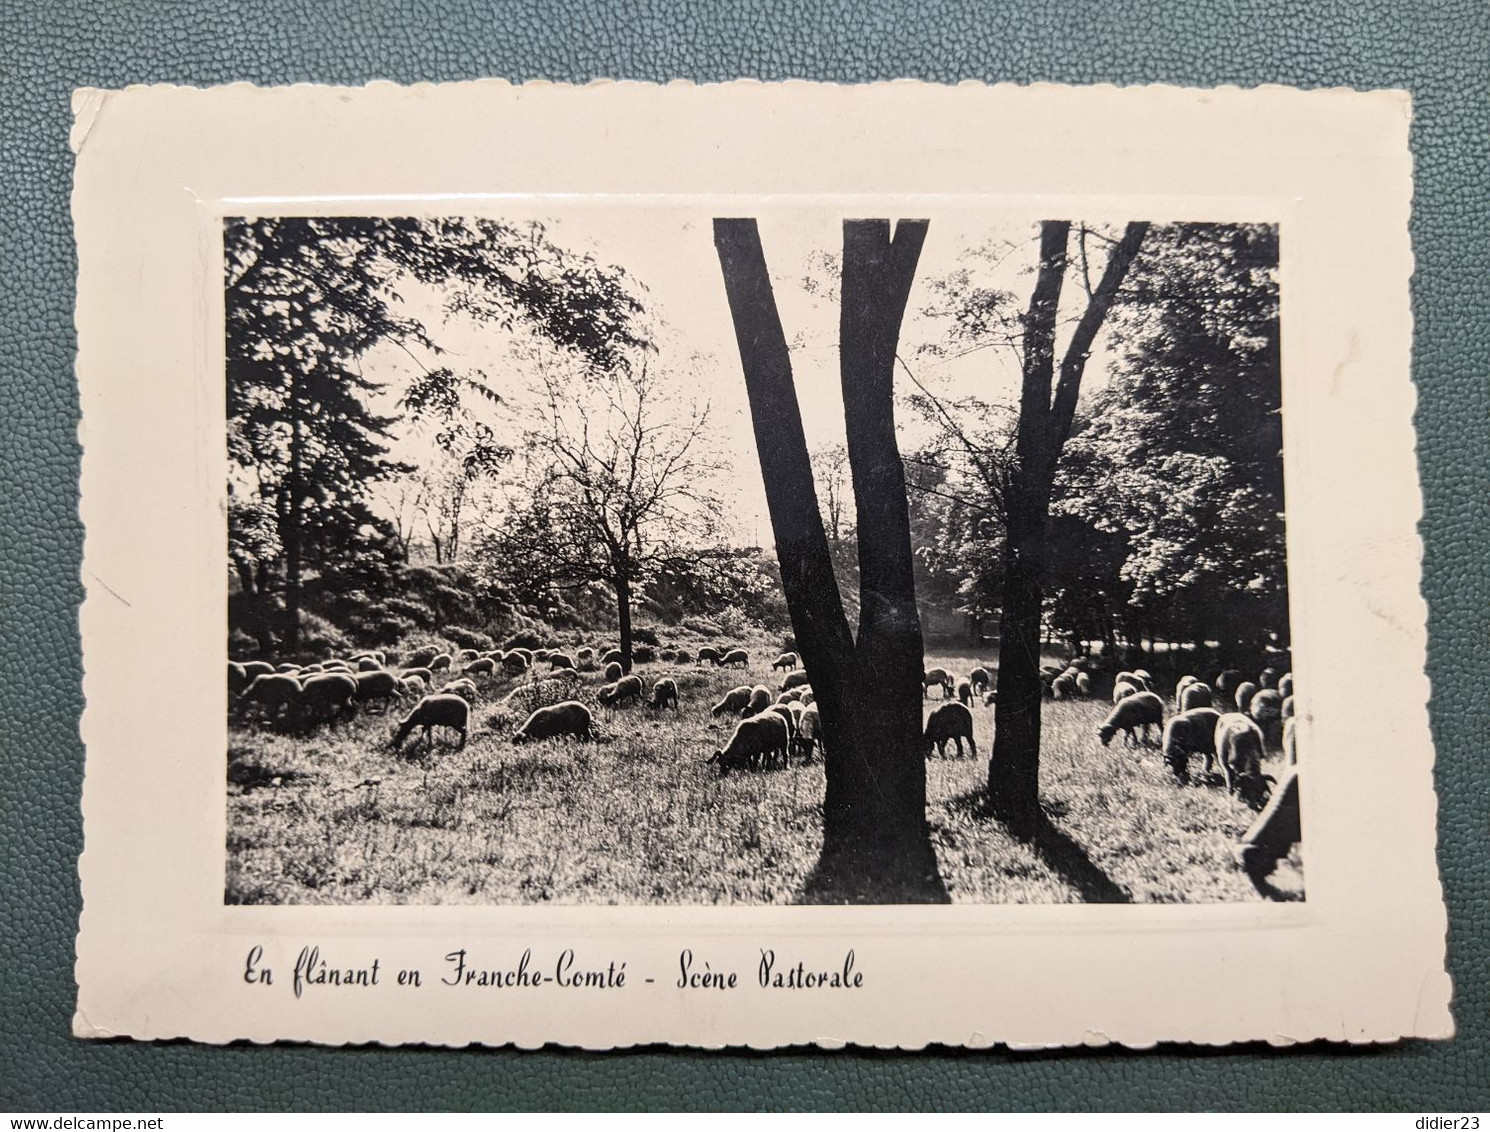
<point>1230,724</point>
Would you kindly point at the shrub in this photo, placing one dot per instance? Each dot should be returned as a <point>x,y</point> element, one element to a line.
<point>643,654</point>
<point>703,626</point>
<point>788,643</point>
<point>645,636</point>
<point>317,635</point>
<point>524,640</point>
<point>469,638</point>
<point>409,609</point>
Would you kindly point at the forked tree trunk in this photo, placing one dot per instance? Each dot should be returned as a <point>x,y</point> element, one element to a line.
<point>876,843</point>
<point>1044,426</point>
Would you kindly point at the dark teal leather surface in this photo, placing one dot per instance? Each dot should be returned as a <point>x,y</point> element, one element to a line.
<point>1438,50</point>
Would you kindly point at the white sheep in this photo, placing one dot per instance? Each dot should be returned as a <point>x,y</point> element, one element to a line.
<point>809,732</point>
<point>733,701</point>
<point>1191,732</point>
<point>1285,685</point>
<point>1243,696</point>
<point>1141,709</point>
<point>377,684</point>
<point>256,668</point>
<point>759,739</point>
<point>555,722</point>
<point>1195,695</point>
<point>558,660</point>
<point>481,666</point>
<point>949,723</point>
<point>794,680</point>
<point>937,677</point>
<point>787,661</point>
<point>760,700</point>
<point>463,687</point>
<point>1083,685</point>
<point>1266,710</point>
<point>710,654</point>
<point>329,695</point>
<point>626,688</point>
<point>1239,747</point>
<point>439,661</point>
<point>463,657</point>
<point>735,658</point>
<point>435,711</point>
<point>664,692</point>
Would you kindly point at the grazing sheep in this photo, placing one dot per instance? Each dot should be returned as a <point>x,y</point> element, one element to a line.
<point>735,658</point>
<point>1146,676</point>
<point>420,673</point>
<point>964,691</point>
<point>790,697</point>
<point>1063,687</point>
<point>664,692</point>
<point>585,657</point>
<point>558,660</point>
<point>938,677</point>
<point>949,723</point>
<point>626,688</point>
<point>1185,682</point>
<point>1192,732</point>
<point>734,700</point>
<point>760,700</point>
<point>1268,678</point>
<point>237,678</point>
<point>682,656</point>
<point>612,656</point>
<point>377,684</point>
<point>809,732</point>
<point>759,739</point>
<point>1290,744</point>
<point>1285,685</point>
<point>540,655</point>
<point>421,657</point>
<point>526,654</point>
<point>255,668</point>
<point>514,664</point>
<point>1226,683</point>
<point>272,691</point>
<point>1286,708</point>
<point>367,664</point>
<point>787,661</point>
<point>1083,685</point>
<point>337,666</point>
<point>329,696</point>
<point>288,669</point>
<point>808,697</point>
<point>465,689</point>
<point>709,653</point>
<point>1266,710</point>
<point>980,680</point>
<point>481,666</point>
<point>794,680</point>
<point>1141,709</point>
<point>440,660</point>
<point>1131,680</point>
<point>1243,696</point>
<point>439,710</point>
<point>570,718</point>
<point>1122,691</point>
<point>785,711</point>
<point>412,686</point>
<point>613,672</point>
<point>1194,696</point>
<point>464,657</point>
<point>1239,747</point>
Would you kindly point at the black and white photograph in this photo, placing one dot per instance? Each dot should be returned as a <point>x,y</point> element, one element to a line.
<point>641,555</point>
<point>623,577</point>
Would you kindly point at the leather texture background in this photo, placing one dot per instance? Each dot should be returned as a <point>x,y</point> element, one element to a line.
<point>1439,50</point>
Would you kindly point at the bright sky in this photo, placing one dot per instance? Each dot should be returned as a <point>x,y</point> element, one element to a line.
<point>668,248</point>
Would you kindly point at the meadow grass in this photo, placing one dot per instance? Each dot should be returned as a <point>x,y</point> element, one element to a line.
<point>335,817</point>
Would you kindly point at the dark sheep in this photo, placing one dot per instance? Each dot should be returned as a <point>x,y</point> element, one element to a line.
<point>1139,710</point>
<point>1266,710</point>
<point>378,684</point>
<point>613,672</point>
<point>626,688</point>
<point>709,654</point>
<point>570,718</point>
<point>481,666</point>
<point>735,658</point>
<point>664,692</point>
<point>1239,747</point>
<point>1192,732</point>
<point>794,680</point>
<point>786,661</point>
<point>964,691</point>
<point>937,677</point>
<point>809,732</point>
<point>980,680</point>
<point>760,739</point>
<point>950,723</point>
<point>254,668</point>
<point>440,710</point>
<point>1243,696</point>
<point>760,700</point>
<point>1196,695</point>
<point>329,696</point>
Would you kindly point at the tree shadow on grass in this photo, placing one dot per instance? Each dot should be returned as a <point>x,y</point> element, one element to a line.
<point>1057,849</point>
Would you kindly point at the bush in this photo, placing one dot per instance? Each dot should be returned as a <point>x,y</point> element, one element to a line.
<point>415,611</point>
<point>643,635</point>
<point>643,654</point>
<point>317,635</point>
<point>469,638</point>
<point>702,626</point>
<point>387,630</point>
<point>524,640</point>
<point>788,643</point>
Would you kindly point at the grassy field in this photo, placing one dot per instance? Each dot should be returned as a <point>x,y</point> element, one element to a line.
<point>639,818</point>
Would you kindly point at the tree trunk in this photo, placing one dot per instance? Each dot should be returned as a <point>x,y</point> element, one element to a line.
<point>623,615</point>
<point>1044,426</point>
<point>290,537</point>
<point>876,843</point>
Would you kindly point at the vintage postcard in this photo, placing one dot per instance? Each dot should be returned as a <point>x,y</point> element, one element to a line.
<point>752,565</point>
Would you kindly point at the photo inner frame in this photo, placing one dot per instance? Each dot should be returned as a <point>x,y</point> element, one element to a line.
<point>750,585</point>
